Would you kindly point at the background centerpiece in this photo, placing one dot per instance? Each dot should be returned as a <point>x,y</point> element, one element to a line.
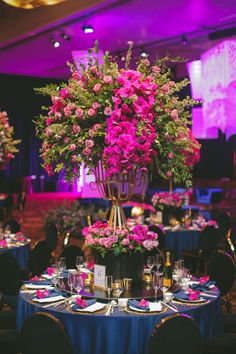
<point>7,143</point>
<point>121,123</point>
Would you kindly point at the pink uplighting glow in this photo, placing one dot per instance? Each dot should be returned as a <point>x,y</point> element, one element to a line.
<point>213,79</point>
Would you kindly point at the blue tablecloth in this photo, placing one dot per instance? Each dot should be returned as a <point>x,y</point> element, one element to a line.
<point>181,240</point>
<point>120,334</point>
<point>21,253</point>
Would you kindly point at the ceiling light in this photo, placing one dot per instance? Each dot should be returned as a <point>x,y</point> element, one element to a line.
<point>32,4</point>
<point>55,43</point>
<point>144,54</point>
<point>184,40</point>
<point>87,29</point>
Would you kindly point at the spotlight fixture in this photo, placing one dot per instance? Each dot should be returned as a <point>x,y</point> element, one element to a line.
<point>55,43</point>
<point>184,40</point>
<point>65,36</point>
<point>143,54</point>
<point>87,29</point>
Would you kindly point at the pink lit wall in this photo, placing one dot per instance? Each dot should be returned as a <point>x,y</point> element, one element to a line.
<point>215,83</point>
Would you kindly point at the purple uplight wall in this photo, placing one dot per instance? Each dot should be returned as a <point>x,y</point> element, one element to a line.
<point>213,79</point>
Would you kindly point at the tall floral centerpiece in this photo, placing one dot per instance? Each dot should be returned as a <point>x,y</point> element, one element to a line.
<point>121,123</point>
<point>7,143</point>
<point>171,203</point>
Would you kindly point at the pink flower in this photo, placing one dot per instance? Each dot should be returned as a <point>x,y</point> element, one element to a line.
<point>87,151</point>
<point>174,114</point>
<point>107,111</point>
<point>66,140</point>
<point>97,87</point>
<point>81,303</point>
<point>96,105</point>
<point>72,147</point>
<point>204,280</point>
<point>125,242</point>
<point>89,143</point>
<point>50,271</point>
<point>75,75</point>
<point>107,79</point>
<point>93,69</point>
<point>143,303</point>
<point>92,112</point>
<point>79,113</point>
<point>169,173</point>
<point>170,155</point>
<point>76,128</point>
<point>48,121</point>
<point>41,294</point>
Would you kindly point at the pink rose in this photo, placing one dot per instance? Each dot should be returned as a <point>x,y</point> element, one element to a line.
<point>169,174</point>
<point>170,155</point>
<point>174,114</point>
<point>93,69</point>
<point>72,147</point>
<point>75,75</point>
<point>107,79</point>
<point>96,105</point>
<point>97,87</point>
<point>76,129</point>
<point>79,113</point>
<point>66,140</point>
<point>87,151</point>
<point>89,143</point>
<point>107,111</point>
<point>91,112</point>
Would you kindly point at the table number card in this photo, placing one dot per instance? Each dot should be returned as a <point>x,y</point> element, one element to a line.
<point>99,276</point>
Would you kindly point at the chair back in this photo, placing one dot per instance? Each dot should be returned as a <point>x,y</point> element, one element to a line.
<point>208,240</point>
<point>13,225</point>
<point>39,258</point>
<point>177,333</point>
<point>70,253</point>
<point>51,236</point>
<point>221,269</point>
<point>42,333</point>
<point>9,274</point>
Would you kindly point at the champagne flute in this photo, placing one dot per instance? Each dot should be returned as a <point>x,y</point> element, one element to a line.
<point>156,282</point>
<point>158,261</point>
<point>62,263</point>
<point>109,283</point>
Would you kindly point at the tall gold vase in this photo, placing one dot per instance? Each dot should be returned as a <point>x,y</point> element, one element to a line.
<point>118,188</point>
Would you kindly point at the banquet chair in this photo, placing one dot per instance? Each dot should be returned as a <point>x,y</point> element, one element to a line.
<point>42,333</point>
<point>9,274</point>
<point>51,234</point>
<point>39,258</point>
<point>9,341</point>
<point>70,253</point>
<point>177,333</point>
<point>221,269</point>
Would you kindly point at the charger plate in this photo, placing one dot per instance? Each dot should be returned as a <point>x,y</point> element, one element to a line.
<point>190,304</point>
<point>148,313</point>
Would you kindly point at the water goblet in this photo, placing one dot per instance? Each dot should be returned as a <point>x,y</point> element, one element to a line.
<point>158,261</point>
<point>150,262</point>
<point>62,264</point>
<point>71,281</point>
<point>79,262</point>
<point>109,284</point>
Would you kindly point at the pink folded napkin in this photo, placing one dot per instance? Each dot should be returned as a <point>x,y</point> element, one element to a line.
<point>50,270</point>
<point>204,280</point>
<point>193,294</point>
<point>40,294</point>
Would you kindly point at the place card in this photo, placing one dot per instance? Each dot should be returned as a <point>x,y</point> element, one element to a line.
<point>99,276</point>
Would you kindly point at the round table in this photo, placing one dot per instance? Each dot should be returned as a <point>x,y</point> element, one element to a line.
<point>181,240</point>
<point>120,333</point>
<point>20,251</point>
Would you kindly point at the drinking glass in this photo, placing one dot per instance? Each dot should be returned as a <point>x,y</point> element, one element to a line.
<point>79,262</point>
<point>156,282</point>
<point>158,261</point>
<point>77,282</point>
<point>118,287</point>
<point>62,263</point>
<point>71,281</point>
<point>150,262</point>
<point>109,284</point>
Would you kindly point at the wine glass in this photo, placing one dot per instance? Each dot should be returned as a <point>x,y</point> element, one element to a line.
<point>150,262</point>
<point>156,282</point>
<point>62,263</point>
<point>109,284</point>
<point>79,262</point>
<point>77,282</point>
<point>71,281</point>
<point>158,261</point>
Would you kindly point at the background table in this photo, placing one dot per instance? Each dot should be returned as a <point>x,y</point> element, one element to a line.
<point>181,240</point>
<point>120,334</point>
<point>21,253</point>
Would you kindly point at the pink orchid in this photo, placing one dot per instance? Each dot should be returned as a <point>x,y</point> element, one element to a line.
<point>204,280</point>
<point>193,294</point>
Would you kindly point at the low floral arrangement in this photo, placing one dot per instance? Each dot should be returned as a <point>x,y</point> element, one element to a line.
<point>161,200</point>
<point>102,238</point>
<point>71,218</point>
<point>7,143</point>
<point>201,223</point>
<point>123,117</point>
